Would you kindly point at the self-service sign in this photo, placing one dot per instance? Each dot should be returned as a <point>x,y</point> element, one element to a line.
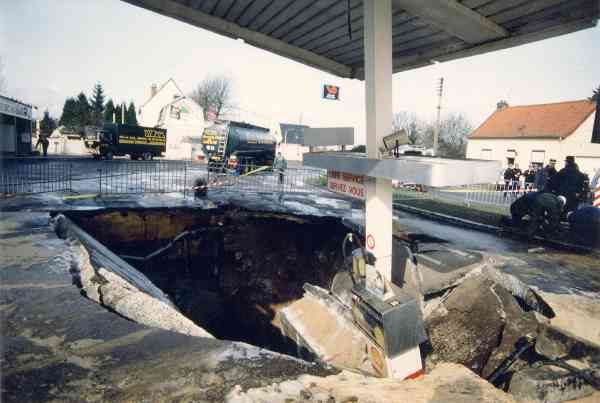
<point>346,183</point>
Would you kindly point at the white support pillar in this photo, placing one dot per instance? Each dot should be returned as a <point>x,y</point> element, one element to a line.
<point>378,88</point>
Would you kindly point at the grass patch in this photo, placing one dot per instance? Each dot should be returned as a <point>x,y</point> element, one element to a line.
<point>489,215</point>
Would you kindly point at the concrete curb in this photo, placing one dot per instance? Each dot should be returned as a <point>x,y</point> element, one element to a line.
<point>449,219</point>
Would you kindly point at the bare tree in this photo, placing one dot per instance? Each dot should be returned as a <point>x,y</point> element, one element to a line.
<point>2,78</point>
<point>411,124</point>
<point>214,92</point>
<point>454,132</point>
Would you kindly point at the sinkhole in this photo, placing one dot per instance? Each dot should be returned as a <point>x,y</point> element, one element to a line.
<point>230,271</point>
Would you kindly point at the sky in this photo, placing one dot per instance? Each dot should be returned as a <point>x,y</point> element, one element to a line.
<point>53,49</point>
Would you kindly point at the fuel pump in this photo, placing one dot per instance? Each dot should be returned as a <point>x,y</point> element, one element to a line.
<point>388,315</point>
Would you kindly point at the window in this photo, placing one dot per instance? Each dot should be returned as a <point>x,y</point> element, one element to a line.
<point>538,156</point>
<point>486,154</point>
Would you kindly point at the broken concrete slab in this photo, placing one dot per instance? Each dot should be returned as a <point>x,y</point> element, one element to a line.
<point>519,327</point>
<point>448,383</point>
<point>554,343</point>
<point>548,384</point>
<point>576,315</point>
<point>467,327</point>
<point>113,291</point>
<point>324,327</point>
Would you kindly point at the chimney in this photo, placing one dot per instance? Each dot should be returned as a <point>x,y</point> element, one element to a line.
<point>501,105</point>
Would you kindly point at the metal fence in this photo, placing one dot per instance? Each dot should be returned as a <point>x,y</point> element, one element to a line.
<point>134,177</point>
<point>499,196</point>
<point>35,176</point>
<point>26,176</point>
<point>265,179</point>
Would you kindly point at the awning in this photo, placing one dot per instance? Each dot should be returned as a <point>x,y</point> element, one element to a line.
<point>328,34</point>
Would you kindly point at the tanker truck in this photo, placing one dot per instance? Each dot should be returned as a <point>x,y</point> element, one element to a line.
<point>227,143</point>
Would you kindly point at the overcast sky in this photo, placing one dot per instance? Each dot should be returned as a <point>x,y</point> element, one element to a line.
<point>52,49</point>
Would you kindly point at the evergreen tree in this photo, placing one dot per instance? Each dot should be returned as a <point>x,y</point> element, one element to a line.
<point>69,113</point>
<point>84,111</point>
<point>97,105</point>
<point>130,115</point>
<point>596,95</point>
<point>118,116</point>
<point>47,125</point>
<point>109,110</point>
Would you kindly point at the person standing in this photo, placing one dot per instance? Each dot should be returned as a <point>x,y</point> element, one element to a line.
<point>548,173</point>
<point>43,140</point>
<point>517,173</point>
<point>570,183</point>
<point>280,165</point>
<point>509,176</point>
<point>530,174</point>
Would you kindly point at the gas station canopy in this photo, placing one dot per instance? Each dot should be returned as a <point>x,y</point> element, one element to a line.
<point>329,34</point>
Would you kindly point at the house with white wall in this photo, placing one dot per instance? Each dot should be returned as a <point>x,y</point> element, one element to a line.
<point>537,133</point>
<point>156,99</point>
<point>184,120</point>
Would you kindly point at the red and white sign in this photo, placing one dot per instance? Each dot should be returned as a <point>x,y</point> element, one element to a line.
<point>348,184</point>
<point>370,242</point>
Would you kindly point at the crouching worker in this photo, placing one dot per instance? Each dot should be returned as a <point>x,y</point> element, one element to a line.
<point>200,188</point>
<point>543,209</point>
<point>585,225</point>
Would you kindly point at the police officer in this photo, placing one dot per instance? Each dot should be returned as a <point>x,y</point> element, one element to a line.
<point>543,209</point>
<point>569,182</point>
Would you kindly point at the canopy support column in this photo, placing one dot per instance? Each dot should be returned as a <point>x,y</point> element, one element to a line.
<point>378,87</point>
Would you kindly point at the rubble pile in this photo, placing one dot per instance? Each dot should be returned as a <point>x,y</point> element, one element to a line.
<point>483,326</point>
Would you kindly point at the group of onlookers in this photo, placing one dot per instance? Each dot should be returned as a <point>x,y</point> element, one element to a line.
<point>569,181</point>
<point>557,196</point>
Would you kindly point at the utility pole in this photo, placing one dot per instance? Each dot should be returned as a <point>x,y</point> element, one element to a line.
<point>436,132</point>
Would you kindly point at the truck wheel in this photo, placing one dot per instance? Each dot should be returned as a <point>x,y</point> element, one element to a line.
<point>109,155</point>
<point>134,157</point>
<point>147,156</point>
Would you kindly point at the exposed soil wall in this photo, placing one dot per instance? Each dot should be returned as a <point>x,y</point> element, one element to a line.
<point>233,270</point>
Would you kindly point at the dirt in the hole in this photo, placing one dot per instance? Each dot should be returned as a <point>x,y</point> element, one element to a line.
<point>232,275</point>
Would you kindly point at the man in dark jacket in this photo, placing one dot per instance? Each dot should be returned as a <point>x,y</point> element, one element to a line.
<point>546,175</point>
<point>509,178</point>
<point>570,183</point>
<point>543,209</point>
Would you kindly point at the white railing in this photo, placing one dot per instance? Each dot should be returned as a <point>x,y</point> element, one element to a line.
<point>497,195</point>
